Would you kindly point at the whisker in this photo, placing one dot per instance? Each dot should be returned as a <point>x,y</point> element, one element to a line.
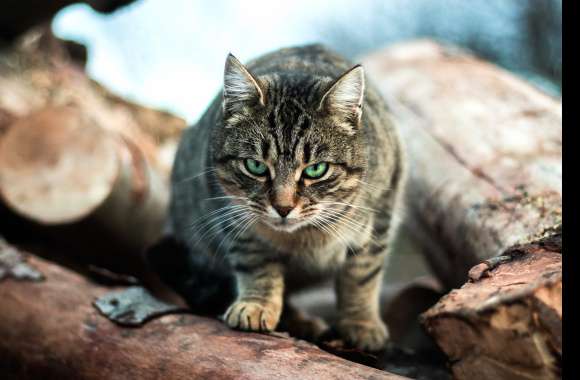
<point>373,187</point>
<point>198,175</point>
<point>225,208</point>
<point>341,218</point>
<point>224,197</point>
<point>246,225</point>
<point>323,223</point>
<point>217,222</point>
<point>350,205</point>
<point>237,224</point>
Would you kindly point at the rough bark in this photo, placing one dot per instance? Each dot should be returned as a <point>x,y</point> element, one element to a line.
<point>485,152</point>
<point>64,337</point>
<point>506,322</point>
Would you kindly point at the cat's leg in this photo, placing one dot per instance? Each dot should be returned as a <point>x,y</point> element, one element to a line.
<point>260,286</point>
<point>358,286</point>
<point>301,325</point>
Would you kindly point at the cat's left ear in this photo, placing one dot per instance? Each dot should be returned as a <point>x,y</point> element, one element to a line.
<point>240,86</point>
<point>345,96</point>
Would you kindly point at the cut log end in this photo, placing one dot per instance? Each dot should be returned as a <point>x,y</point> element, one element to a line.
<point>56,166</point>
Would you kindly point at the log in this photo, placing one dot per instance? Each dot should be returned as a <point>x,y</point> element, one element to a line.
<point>50,330</point>
<point>57,167</point>
<point>485,153</point>
<point>36,74</point>
<point>506,322</point>
<point>88,167</point>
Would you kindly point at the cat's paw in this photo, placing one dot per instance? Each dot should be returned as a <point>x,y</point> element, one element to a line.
<point>367,335</point>
<point>252,316</point>
<point>300,325</point>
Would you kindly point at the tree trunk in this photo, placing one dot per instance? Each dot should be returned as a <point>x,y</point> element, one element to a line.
<point>485,151</point>
<point>64,337</point>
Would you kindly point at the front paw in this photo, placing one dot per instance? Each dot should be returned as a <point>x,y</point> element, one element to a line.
<point>367,335</point>
<point>252,316</point>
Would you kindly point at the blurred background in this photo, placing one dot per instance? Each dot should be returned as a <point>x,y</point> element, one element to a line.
<point>170,54</point>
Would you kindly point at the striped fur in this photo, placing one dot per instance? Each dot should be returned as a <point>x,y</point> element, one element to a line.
<point>290,109</point>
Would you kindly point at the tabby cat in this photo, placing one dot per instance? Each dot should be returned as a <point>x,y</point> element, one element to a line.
<point>292,176</point>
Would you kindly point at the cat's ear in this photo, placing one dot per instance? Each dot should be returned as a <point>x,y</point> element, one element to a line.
<point>345,95</point>
<point>240,86</point>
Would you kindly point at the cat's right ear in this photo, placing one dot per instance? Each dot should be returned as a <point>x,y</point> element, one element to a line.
<point>240,87</point>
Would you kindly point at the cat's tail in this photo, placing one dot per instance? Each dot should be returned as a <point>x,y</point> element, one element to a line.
<point>206,290</point>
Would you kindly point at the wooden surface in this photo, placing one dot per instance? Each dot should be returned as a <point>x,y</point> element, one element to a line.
<point>45,161</point>
<point>506,322</point>
<point>485,150</point>
<point>50,330</point>
<point>72,152</point>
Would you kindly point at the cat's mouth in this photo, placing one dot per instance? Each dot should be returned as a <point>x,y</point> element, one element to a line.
<point>286,224</point>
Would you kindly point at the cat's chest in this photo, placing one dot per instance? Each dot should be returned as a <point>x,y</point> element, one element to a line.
<point>313,254</point>
<point>319,260</point>
<point>309,250</point>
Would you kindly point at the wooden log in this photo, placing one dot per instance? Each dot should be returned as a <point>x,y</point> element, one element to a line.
<point>506,322</point>
<point>50,330</point>
<point>35,74</point>
<point>91,166</point>
<point>485,152</point>
<point>57,166</point>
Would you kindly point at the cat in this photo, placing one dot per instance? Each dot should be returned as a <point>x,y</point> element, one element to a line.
<point>293,175</point>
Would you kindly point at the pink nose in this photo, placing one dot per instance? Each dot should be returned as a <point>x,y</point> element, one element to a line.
<point>283,210</point>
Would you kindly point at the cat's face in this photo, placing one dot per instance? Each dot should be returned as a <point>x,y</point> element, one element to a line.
<point>291,150</point>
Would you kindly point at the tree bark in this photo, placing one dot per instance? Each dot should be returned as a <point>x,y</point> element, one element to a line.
<point>64,337</point>
<point>506,322</point>
<point>485,153</point>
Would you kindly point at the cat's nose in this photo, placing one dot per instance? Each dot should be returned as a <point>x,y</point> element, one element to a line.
<point>283,210</point>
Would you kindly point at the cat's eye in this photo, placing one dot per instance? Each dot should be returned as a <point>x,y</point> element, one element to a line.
<point>316,171</point>
<point>255,167</point>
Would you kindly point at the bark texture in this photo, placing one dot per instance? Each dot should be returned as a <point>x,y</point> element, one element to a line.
<point>485,150</point>
<point>485,185</point>
<point>506,322</point>
<point>64,337</point>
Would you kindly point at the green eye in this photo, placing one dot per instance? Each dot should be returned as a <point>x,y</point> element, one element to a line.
<point>256,168</point>
<point>316,171</point>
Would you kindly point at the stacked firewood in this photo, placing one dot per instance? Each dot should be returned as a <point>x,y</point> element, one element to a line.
<point>485,192</point>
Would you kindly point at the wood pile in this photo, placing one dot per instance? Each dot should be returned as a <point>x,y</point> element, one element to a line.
<point>90,170</point>
<point>485,186</point>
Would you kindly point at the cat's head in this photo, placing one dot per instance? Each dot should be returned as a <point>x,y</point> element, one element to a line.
<point>291,147</point>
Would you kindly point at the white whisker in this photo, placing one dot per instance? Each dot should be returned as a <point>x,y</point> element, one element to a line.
<point>198,175</point>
